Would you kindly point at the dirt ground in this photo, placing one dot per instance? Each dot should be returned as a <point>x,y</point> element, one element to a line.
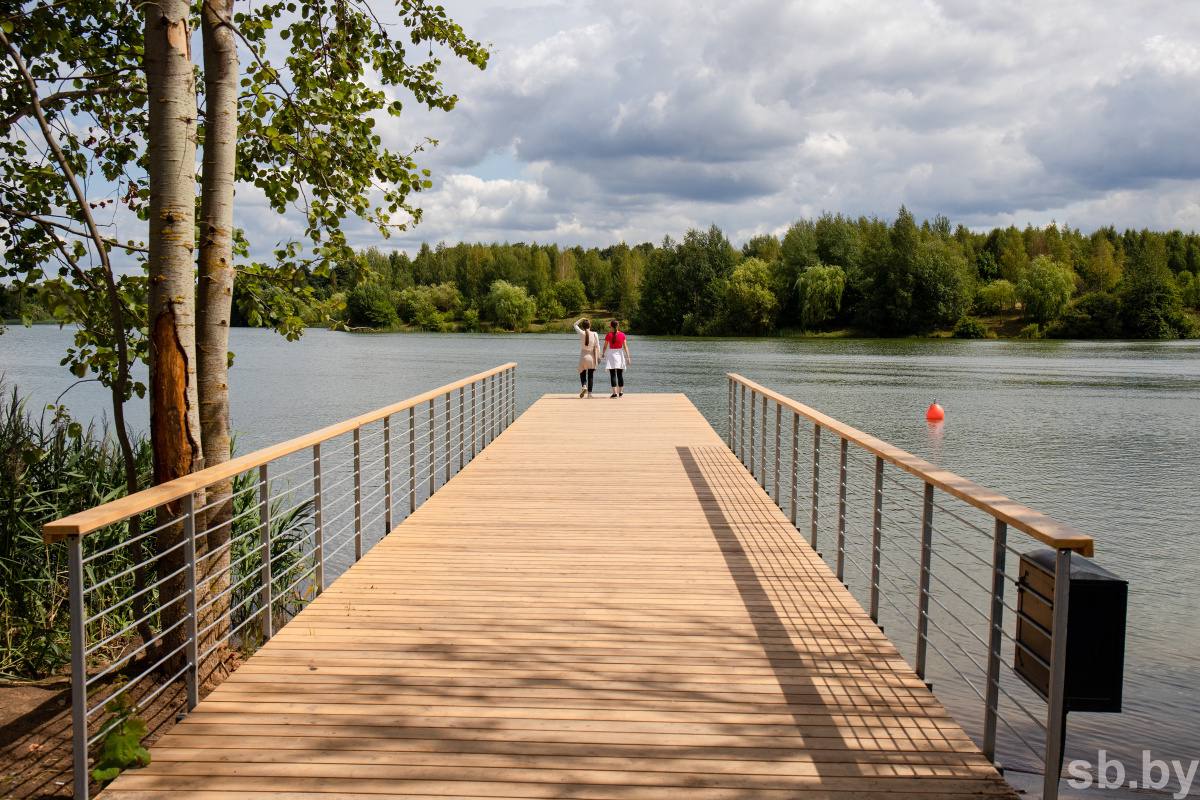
<point>35,741</point>
<point>35,731</point>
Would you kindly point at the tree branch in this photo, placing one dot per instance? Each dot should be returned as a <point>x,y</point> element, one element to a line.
<point>58,98</point>
<point>45,222</point>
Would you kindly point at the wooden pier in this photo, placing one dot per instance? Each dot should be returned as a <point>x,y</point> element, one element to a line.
<point>602,604</point>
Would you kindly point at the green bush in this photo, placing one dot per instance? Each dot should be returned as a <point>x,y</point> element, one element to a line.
<point>445,297</point>
<point>571,295</point>
<point>429,319</point>
<point>509,306</point>
<point>470,319</point>
<point>1031,331</point>
<point>370,305</point>
<point>548,307</point>
<point>970,328</point>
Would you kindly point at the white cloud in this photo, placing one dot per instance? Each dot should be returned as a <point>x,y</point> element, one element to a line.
<point>622,119</point>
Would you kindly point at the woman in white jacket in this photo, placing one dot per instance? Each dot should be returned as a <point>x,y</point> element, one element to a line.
<point>589,356</point>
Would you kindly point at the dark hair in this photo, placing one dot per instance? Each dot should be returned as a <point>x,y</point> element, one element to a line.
<point>612,323</point>
<point>585,323</point>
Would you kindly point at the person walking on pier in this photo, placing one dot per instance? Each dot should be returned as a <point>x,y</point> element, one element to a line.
<point>616,357</point>
<point>589,356</point>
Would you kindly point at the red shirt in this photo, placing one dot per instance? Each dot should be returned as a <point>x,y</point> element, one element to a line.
<point>615,340</point>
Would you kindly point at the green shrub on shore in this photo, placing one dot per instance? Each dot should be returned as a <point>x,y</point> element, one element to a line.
<point>509,306</point>
<point>970,328</point>
<point>369,306</point>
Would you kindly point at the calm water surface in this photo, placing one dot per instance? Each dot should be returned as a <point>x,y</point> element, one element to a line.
<point>1104,436</point>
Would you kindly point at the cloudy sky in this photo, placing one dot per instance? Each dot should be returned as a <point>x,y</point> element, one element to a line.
<point>614,120</point>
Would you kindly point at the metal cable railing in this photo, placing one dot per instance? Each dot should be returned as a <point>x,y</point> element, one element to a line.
<point>222,558</point>
<point>939,581</point>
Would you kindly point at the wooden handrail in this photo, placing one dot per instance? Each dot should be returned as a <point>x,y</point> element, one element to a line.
<point>93,519</point>
<point>1041,527</point>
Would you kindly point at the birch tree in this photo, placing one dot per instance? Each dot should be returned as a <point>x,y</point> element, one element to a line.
<point>171,319</point>
<point>116,81</point>
<point>214,291</point>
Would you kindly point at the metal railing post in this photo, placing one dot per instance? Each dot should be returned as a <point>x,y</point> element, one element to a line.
<point>357,495</point>
<point>387,475</point>
<point>495,416</point>
<point>79,731</point>
<point>266,592</point>
<point>741,450</point>
<point>318,520</point>
<point>448,433</point>
<point>462,427</point>
<point>876,539</point>
<point>1056,712</point>
<point>794,506</point>
<point>432,451</point>
<point>730,410</point>
<point>474,406</point>
<point>816,481</point>
<point>412,459</point>
<point>762,450</point>
<point>192,647</point>
<point>923,589</point>
<point>778,445</point>
<point>996,630</point>
<point>841,531</point>
<point>750,448</point>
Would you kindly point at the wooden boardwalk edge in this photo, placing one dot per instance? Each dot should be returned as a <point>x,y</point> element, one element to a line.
<point>603,605</point>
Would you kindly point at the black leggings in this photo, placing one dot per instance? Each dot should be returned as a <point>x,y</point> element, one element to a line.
<point>585,378</point>
<point>617,378</point>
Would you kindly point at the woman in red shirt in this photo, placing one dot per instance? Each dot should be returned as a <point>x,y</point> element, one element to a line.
<point>616,358</point>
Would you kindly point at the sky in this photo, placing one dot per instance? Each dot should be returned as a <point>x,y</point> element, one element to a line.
<point>626,120</point>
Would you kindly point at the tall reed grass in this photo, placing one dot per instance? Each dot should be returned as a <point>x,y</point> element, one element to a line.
<point>52,466</point>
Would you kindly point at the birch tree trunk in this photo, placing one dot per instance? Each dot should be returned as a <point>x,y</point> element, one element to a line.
<point>171,170</point>
<point>215,296</point>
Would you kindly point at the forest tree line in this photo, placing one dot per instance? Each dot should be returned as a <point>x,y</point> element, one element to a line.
<point>830,273</point>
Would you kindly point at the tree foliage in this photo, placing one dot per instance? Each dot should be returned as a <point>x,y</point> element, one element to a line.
<point>898,278</point>
<point>369,306</point>
<point>819,292</point>
<point>750,304</point>
<point>1045,289</point>
<point>509,306</point>
<point>997,297</point>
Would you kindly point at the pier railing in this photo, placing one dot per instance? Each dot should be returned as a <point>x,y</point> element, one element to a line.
<point>929,551</point>
<point>168,584</point>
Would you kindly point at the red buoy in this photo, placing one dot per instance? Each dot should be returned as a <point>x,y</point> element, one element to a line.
<point>935,413</point>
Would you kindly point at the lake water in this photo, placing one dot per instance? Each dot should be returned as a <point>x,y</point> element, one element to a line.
<point>1103,435</point>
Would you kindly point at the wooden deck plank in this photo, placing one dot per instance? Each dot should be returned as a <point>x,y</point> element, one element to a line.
<point>603,604</point>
